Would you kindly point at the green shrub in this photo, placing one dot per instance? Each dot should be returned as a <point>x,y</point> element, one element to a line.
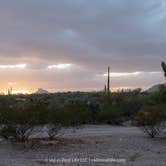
<point>159,97</point>
<point>72,114</point>
<point>23,132</point>
<point>152,119</point>
<point>19,133</point>
<point>69,108</point>
<point>8,131</point>
<point>110,115</point>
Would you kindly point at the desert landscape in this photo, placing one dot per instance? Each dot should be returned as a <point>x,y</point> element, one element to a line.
<point>89,142</point>
<point>82,83</point>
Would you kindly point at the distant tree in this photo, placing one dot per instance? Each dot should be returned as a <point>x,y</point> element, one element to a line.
<point>164,67</point>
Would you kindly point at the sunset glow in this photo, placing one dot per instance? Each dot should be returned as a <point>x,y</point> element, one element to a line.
<point>80,79</point>
<point>45,44</point>
<point>23,91</point>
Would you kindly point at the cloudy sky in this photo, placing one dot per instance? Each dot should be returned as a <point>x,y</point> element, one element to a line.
<point>62,45</point>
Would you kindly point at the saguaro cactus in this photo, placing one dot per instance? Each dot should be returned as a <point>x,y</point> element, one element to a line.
<point>10,91</point>
<point>105,89</point>
<point>164,67</point>
<point>108,83</point>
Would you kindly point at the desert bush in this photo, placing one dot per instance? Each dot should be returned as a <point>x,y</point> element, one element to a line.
<point>152,119</point>
<point>73,114</point>
<point>110,115</point>
<point>7,107</point>
<point>129,107</point>
<point>8,131</point>
<point>159,97</point>
<point>23,132</point>
<point>53,130</point>
<point>119,108</point>
<point>19,133</point>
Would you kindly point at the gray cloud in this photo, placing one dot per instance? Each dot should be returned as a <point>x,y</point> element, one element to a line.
<point>127,35</point>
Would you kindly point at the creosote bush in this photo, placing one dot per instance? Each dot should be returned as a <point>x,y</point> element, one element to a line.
<point>53,130</point>
<point>19,133</point>
<point>111,115</point>
<point>8,131</point>
<point>152,119</point>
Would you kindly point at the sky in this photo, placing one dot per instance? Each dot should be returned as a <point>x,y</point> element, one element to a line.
<point>67,45</point>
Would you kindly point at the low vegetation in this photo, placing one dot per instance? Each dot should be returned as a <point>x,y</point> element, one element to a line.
<point>53,130</point>
<point>152,120</point>
<point>68,109</point>
<point>19,133</point>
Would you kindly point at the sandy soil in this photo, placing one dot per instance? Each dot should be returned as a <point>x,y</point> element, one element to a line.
<point>87,143</point>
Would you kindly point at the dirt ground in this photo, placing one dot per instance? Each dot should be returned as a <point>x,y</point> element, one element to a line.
<point>88,145</point>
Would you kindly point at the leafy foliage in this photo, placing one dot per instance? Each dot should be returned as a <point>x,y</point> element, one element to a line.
<point>152,119</point>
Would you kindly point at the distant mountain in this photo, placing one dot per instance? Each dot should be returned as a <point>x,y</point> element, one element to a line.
<point>41,91</point>
<point>155,88</point>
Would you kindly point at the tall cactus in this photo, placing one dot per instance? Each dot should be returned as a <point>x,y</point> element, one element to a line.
<point>105,89</point>
<point>164,67</point>
<point>108,81</point>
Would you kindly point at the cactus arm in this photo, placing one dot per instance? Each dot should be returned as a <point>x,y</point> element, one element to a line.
<point>164,67</point>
